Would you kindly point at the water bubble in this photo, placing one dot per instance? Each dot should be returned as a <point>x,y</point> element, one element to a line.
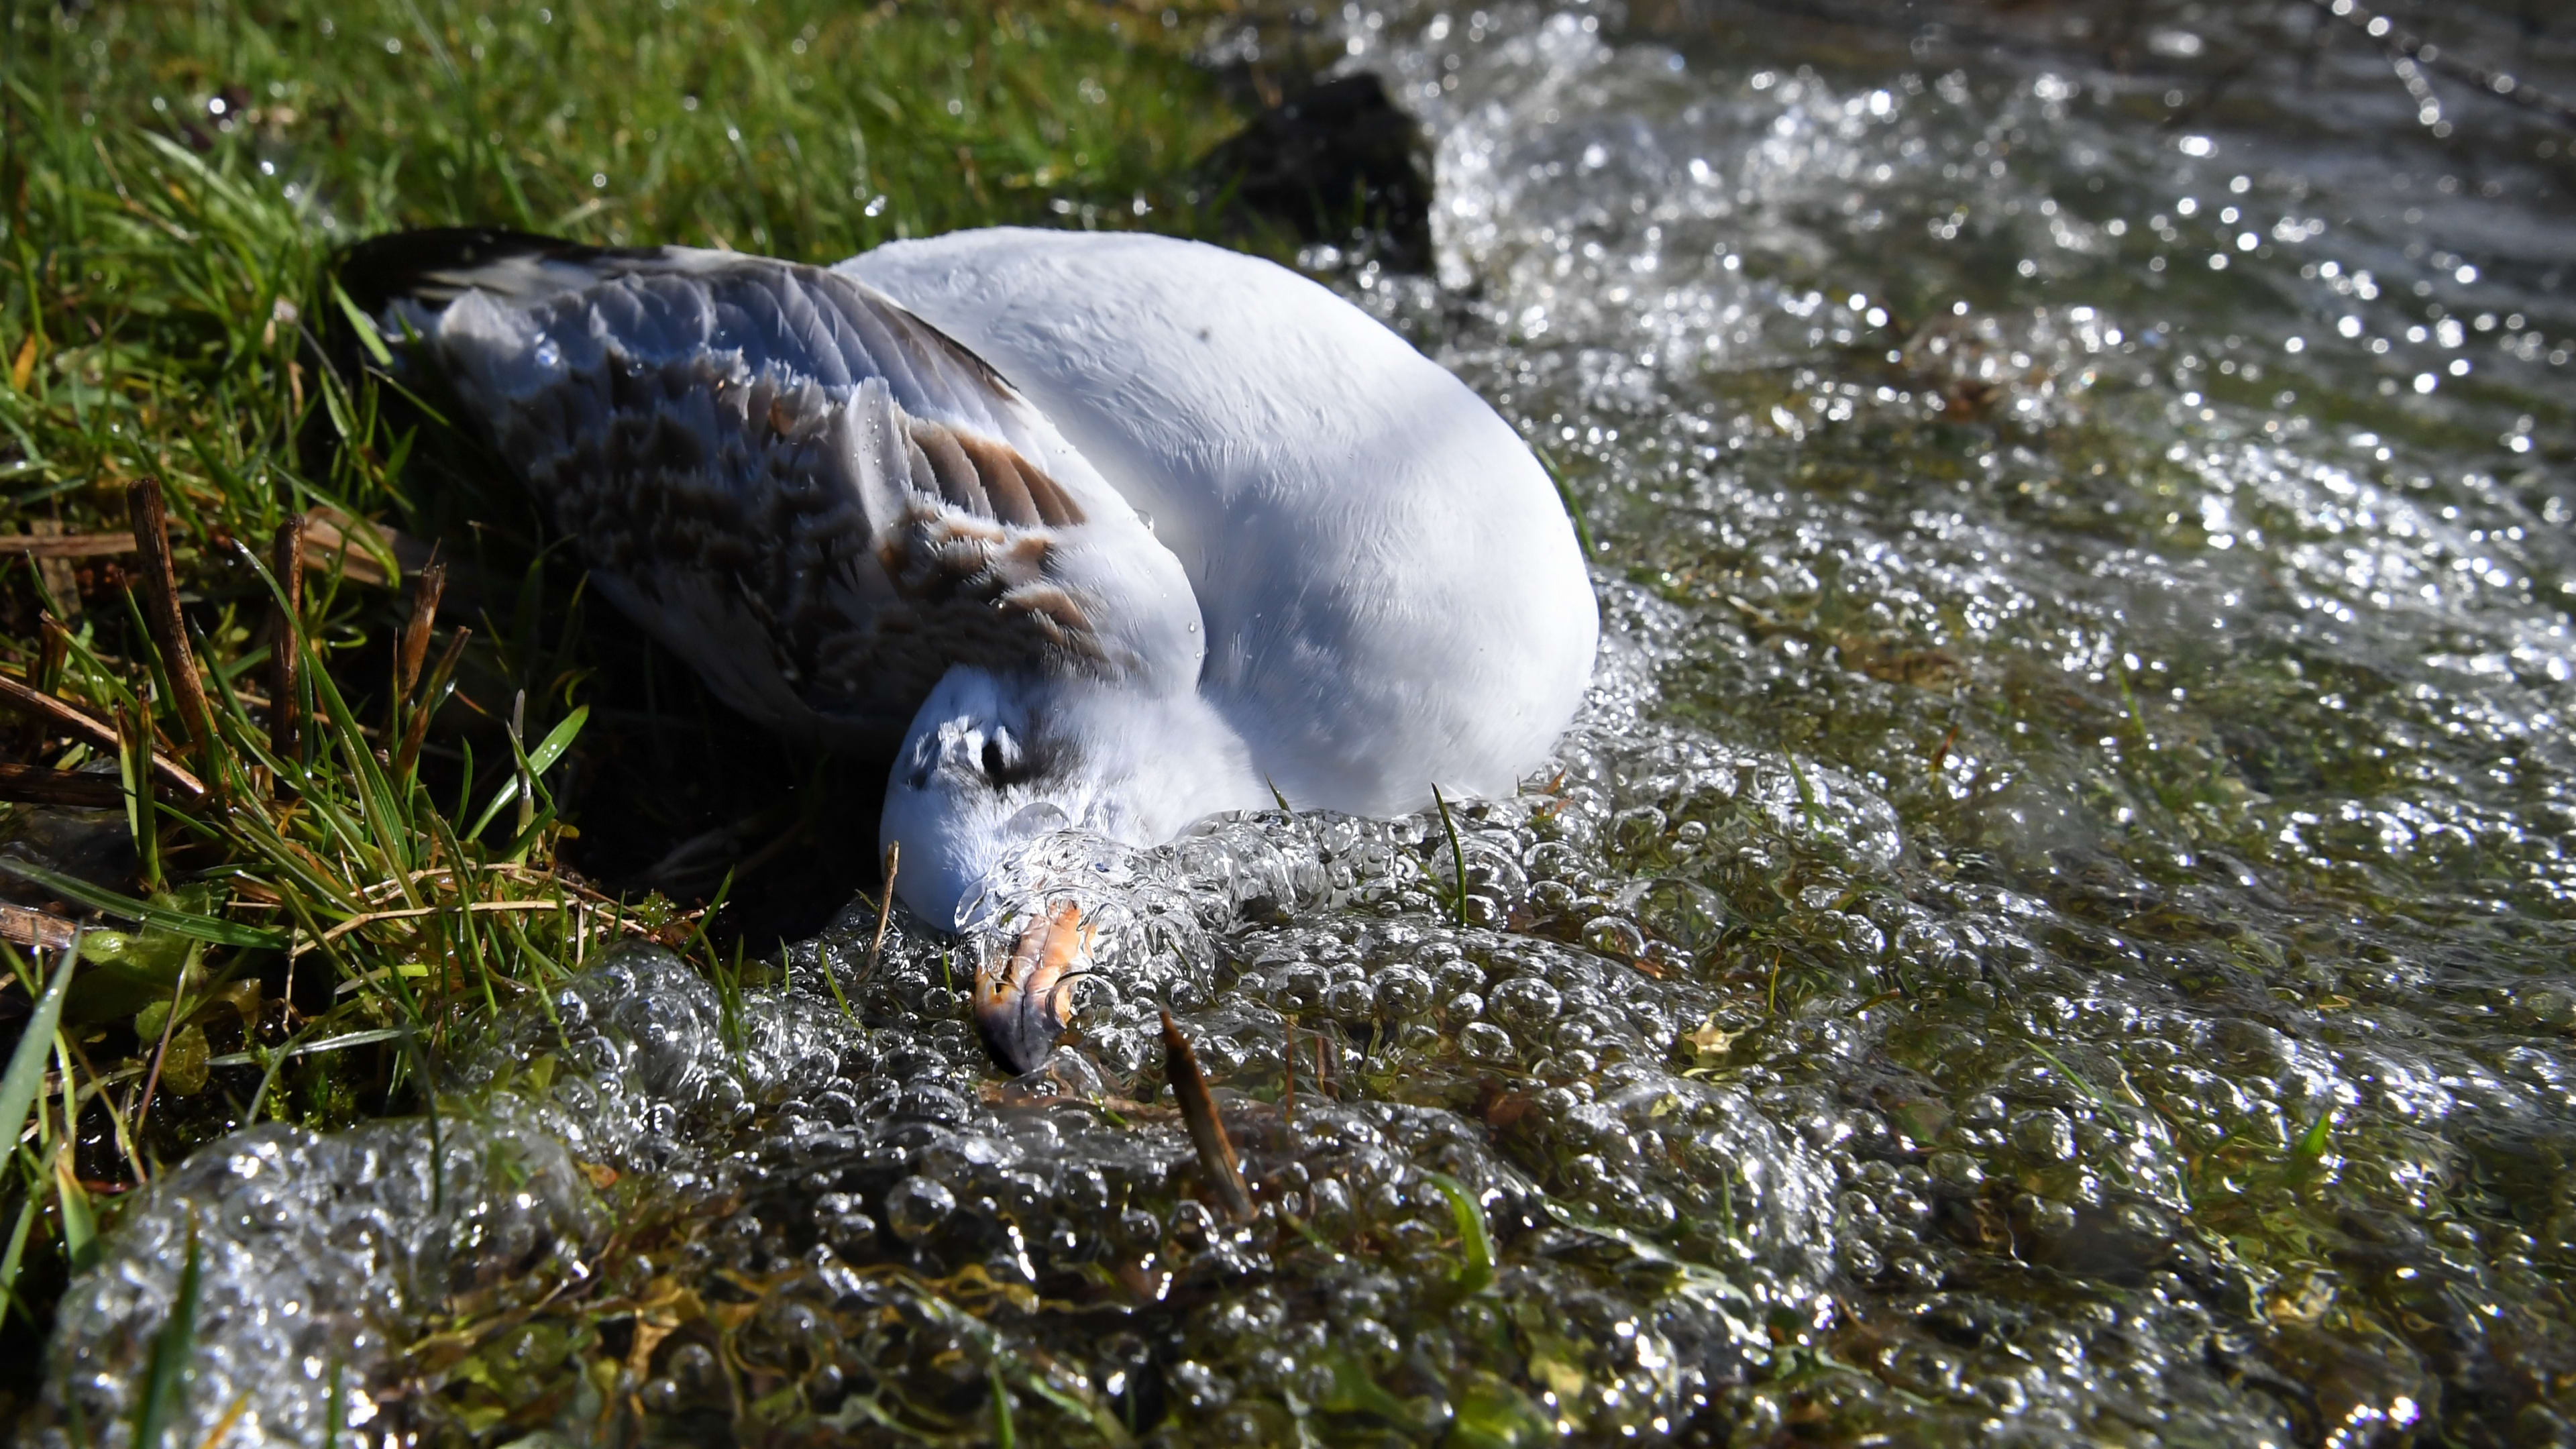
<point>1301,988</point>
<point>1525,1004</point>
<point>1350,1001</point>
<point>1404,992</point>
<point>2045,1134</point>
<point>917,1206</point>
<point>1615,937</point>
<point>1482,1041</point>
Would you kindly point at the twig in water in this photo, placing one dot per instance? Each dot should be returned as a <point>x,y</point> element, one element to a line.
<point>2408,46</point>
<point>1288,1064</point>
<point>1207,1132</point>
<point>885,909</point>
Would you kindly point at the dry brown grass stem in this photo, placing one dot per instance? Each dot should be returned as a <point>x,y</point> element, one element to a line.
<point>161,615</point>
<point>415,635</point>
<point>69,545</point>
<point>417,731</point>
<point>594,909</point>
<point>36,928</point>
<point>285,660</point>
<point>71,719</point>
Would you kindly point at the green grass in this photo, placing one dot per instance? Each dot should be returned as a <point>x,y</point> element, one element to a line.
<point>173,181</point>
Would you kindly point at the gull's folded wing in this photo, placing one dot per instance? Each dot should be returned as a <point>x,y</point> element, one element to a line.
<point>819,500</point>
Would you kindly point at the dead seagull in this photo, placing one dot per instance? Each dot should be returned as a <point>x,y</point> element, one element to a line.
<point>1107,532</point>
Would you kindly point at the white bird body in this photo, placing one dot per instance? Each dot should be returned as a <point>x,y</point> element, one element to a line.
<point>1210,532</point>
<point>1393,594</point>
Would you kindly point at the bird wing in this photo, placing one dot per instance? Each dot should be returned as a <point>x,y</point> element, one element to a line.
<point>818,499</point>
<point>1392,589</point>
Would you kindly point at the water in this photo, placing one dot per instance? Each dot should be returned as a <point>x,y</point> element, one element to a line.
<point>2052,929</point>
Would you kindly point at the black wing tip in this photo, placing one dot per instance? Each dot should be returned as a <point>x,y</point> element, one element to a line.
<point>397,265</point>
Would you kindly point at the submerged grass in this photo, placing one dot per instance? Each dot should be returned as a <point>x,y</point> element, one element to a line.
<point>384,851</point>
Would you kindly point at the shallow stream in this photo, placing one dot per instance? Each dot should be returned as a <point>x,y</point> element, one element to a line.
<point>2055,926</point>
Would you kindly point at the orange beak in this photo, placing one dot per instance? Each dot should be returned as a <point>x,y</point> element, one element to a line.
<point>1023,1002</point>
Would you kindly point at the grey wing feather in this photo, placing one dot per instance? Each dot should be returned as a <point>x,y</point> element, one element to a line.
<point>818,499</point>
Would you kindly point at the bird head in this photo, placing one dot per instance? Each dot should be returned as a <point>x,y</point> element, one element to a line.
<point>994,760</point>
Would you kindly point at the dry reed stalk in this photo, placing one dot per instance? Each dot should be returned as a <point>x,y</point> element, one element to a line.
<point>415,635</point>
<point>417,732</point>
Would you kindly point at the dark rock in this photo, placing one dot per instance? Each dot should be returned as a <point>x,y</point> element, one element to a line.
<point>1337,163</point>
<point>90,845</point>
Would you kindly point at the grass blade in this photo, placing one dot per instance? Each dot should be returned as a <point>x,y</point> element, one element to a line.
<point>1457,853</point>
<point>364,326</point>
<point>2312,1143</point>
<point>177,923</point>
<point>27,1064</point>
<point>16,1253</point>
<point>1477,1274</point>
<point>557,740</point>
<point>163,1385</point>
<point>1004,1434</point>
<point>548,750</point>
<point>18,1088</point>
<point>134,751</point>
<point>337,1411</point>
<point>80,1224</point>
<point>286,646</point>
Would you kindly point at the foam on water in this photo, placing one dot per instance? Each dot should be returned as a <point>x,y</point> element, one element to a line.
<point>834,1148</point>
<point>2052,927</point>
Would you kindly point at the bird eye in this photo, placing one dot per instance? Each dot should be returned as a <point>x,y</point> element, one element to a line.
<point>1006,759</point>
